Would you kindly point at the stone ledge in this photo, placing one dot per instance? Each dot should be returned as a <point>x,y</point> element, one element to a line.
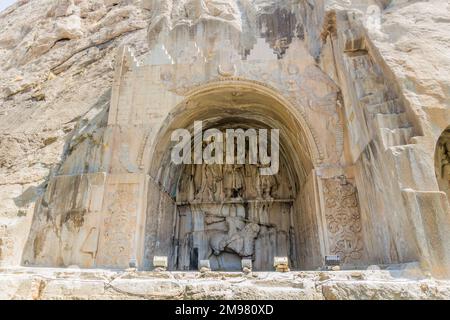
<point>71,284</point>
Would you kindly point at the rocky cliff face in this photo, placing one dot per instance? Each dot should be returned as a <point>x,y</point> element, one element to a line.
<point>56,70</point>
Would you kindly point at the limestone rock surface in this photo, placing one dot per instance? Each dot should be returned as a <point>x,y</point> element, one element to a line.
<point>56,64</point>
<point>57,61</point>
<point>415,44</point>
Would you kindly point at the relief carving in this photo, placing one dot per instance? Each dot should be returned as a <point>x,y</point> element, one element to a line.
<point>266,185</point>
<point>343,219</point>
<point>218,183</point>
<point>239,238</point>
<point>6,242</point>
<point>90,243</point>
<point>233,181</point>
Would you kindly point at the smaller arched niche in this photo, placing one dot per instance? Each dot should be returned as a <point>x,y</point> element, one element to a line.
<point>442,162</point>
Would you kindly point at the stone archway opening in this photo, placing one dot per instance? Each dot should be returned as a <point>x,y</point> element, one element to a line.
<point>442,162</point>
<point>228,212</point>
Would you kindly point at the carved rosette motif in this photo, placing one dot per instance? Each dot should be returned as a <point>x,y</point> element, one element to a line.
<point>343,219</point>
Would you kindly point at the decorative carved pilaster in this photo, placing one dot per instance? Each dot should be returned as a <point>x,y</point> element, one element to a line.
<point>343,219</point>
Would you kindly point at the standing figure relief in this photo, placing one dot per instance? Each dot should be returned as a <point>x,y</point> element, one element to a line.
<point>211,182</point>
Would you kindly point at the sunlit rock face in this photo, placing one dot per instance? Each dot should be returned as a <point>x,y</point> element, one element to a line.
<point>235,24</point>
<point>90,103</point>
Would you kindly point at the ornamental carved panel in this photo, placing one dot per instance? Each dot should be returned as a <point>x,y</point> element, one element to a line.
<point>343,219</point>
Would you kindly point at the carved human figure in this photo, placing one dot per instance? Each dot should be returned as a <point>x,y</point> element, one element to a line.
<point>186,186</point>
<point>198,180</point>
<point>243,242</point>
<point>251,170</point>
<point>373,18</point>
<point>162,11</point>
<point>196,9</point>
<point>343,219</point>
<point>234,224</point>
<point>233,181</point>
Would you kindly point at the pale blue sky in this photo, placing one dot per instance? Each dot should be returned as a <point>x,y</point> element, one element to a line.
<point>5,3</point>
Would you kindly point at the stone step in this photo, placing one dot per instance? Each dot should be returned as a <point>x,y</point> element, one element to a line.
<point>374,98</point>
<point>387,107</point>
<point>392,121</point>
<point>396,137</point>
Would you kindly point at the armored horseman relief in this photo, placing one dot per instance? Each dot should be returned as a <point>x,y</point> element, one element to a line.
<point>442,162</point>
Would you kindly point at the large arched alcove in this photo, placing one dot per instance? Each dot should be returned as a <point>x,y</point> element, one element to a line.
<point>265,217</point>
